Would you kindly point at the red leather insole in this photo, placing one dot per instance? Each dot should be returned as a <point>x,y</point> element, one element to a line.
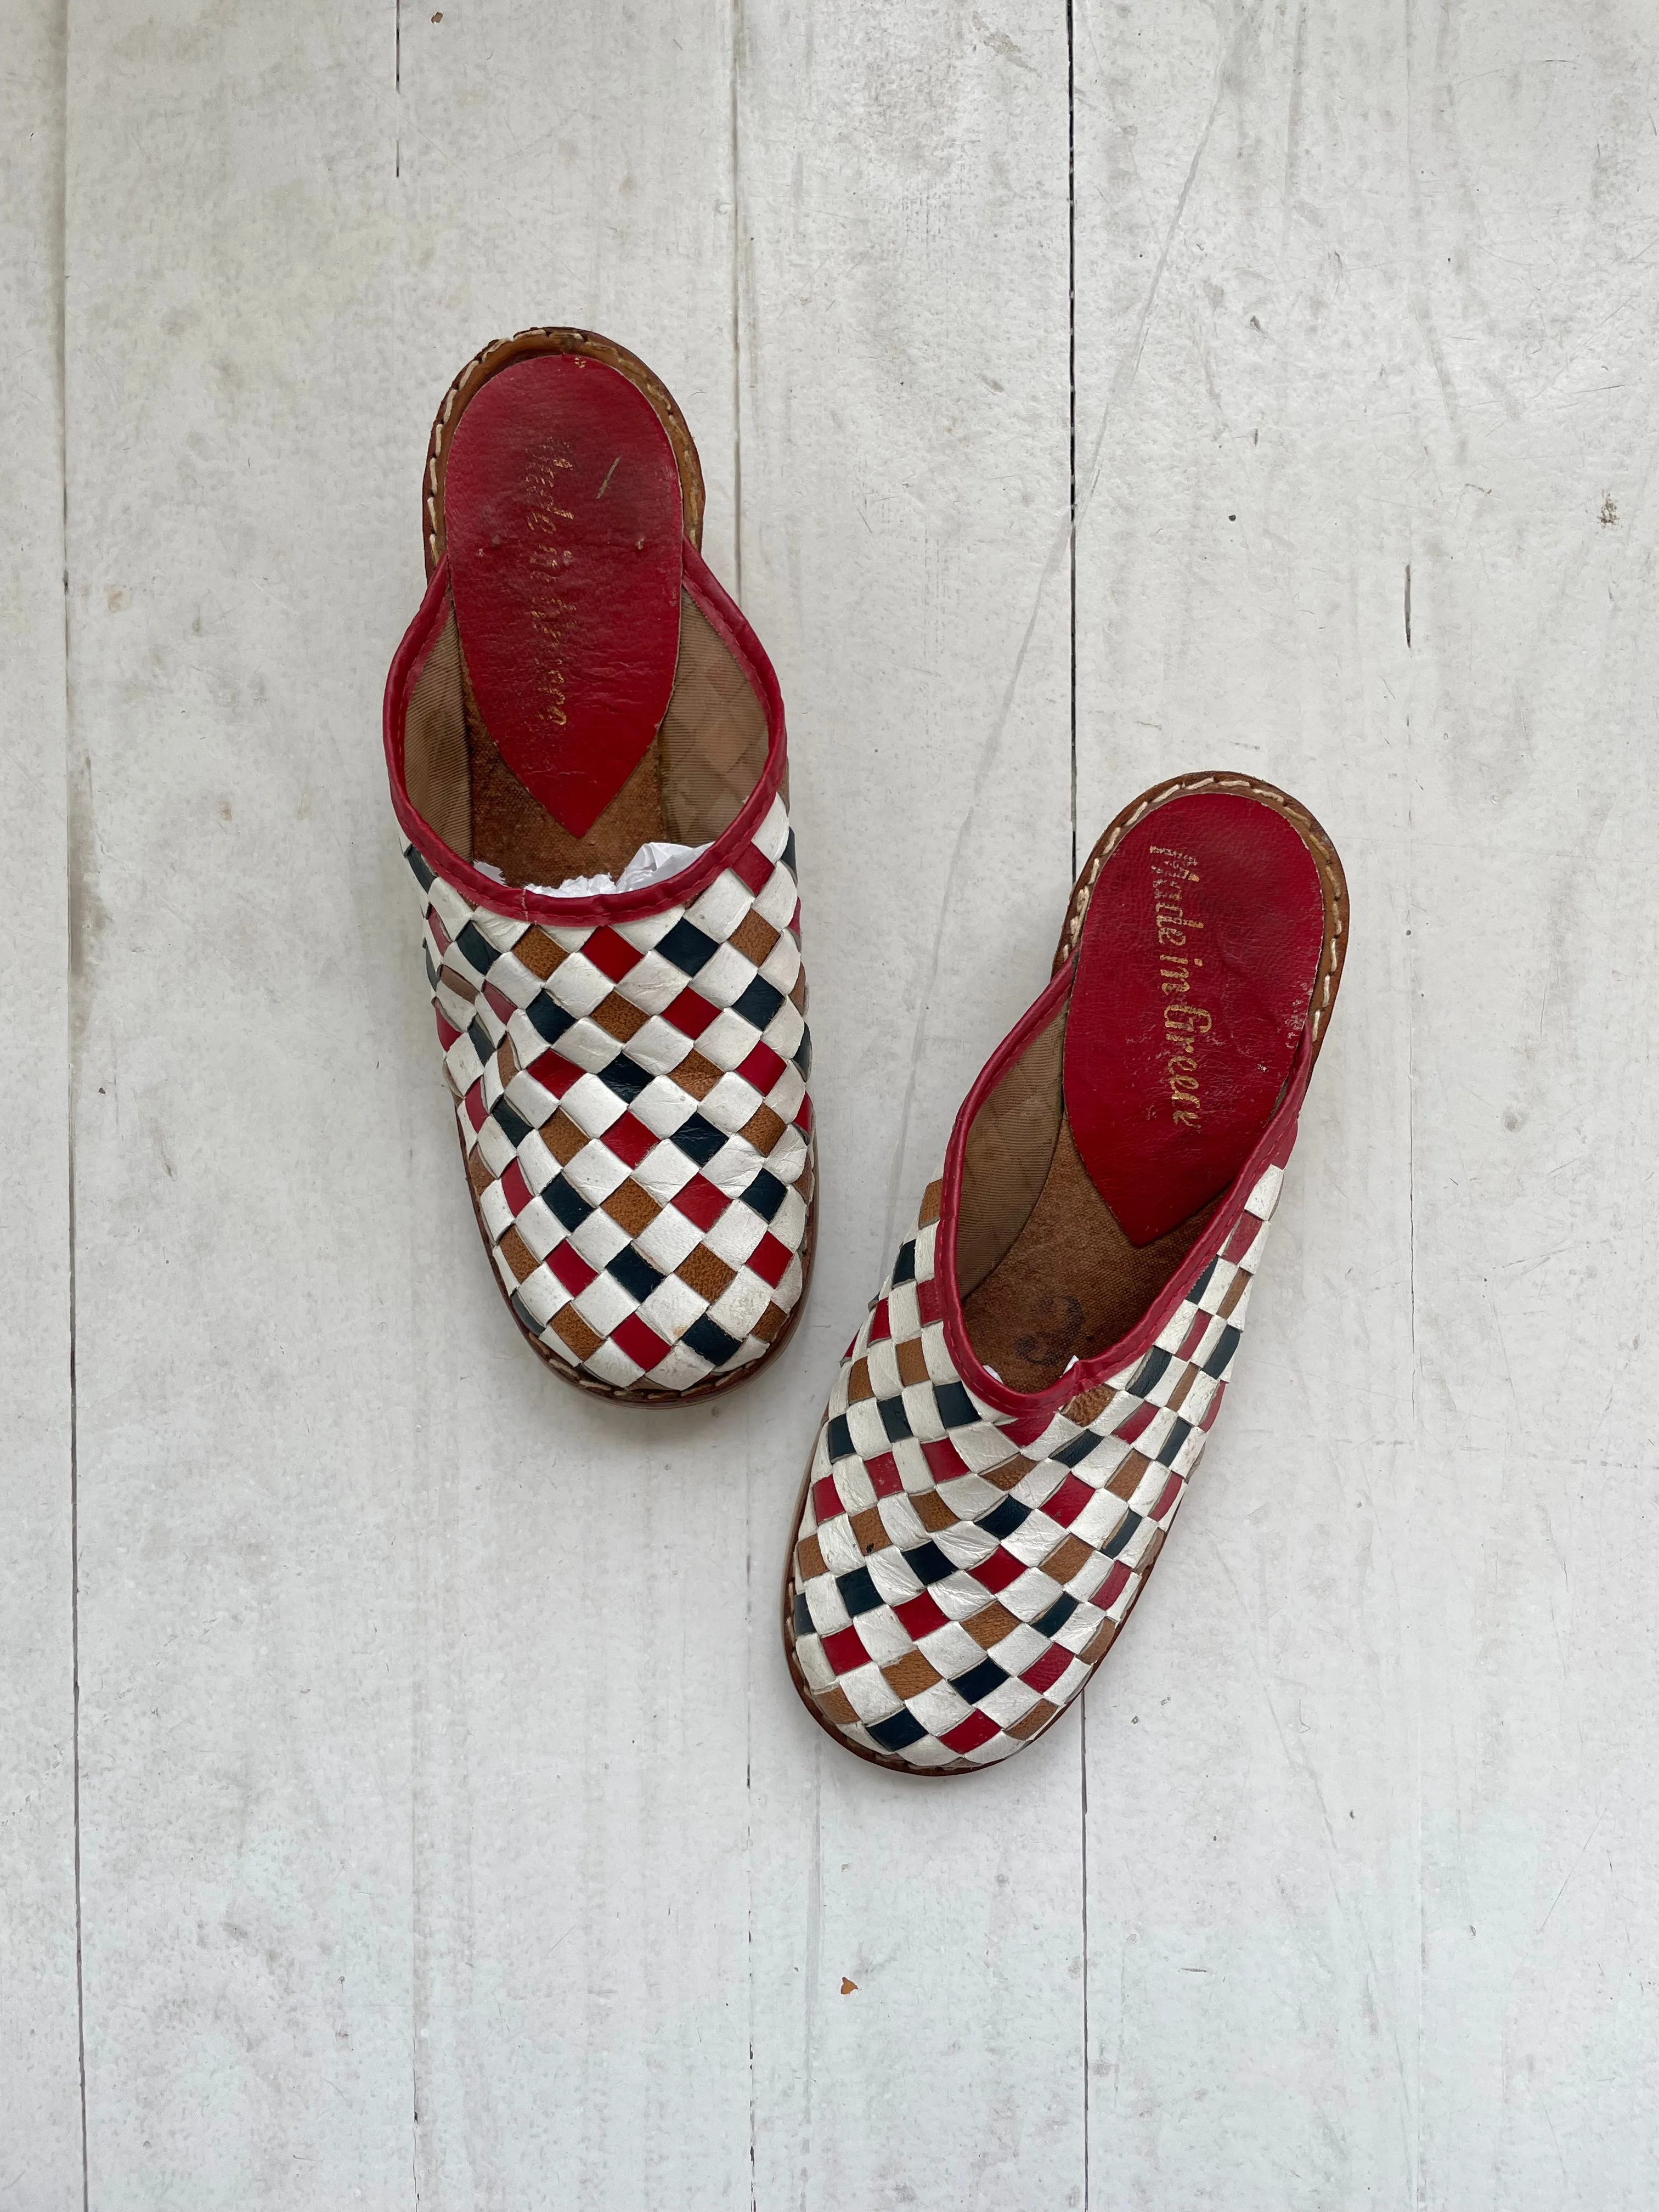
<point>1199,951</point>
<point>563,524</point>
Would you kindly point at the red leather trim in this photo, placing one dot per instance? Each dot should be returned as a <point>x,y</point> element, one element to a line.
<point>724,613</point>
<point>1272,1149</point>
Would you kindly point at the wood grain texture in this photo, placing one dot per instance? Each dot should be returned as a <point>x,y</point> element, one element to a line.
<point>248,1402</point>
<point>903,210</point>
<point>1351,290</point>
<point>1084,397</point>
<point>1243,445</point>
<point>581,1822</point>
<point>39,2066</point>
<point>1535,840</point>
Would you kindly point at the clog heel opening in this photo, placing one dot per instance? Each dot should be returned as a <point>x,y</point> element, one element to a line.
<point>1092,1167</point>
<point>578,703</point>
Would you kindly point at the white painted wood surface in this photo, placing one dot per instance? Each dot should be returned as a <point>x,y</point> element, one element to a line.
<point>39,2063</point>
<point>402,1877</point>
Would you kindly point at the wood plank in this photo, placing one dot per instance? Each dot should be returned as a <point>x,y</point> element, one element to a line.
<point>41,2167</point>
<point>1535,844</point>
<point>248,1407</point>
<point>902,339</point>
<point>549,1940</point>
<point>1243,365</point>
<point>581,1741</point>
<point>413,1867</point>
<point>1425,381</point>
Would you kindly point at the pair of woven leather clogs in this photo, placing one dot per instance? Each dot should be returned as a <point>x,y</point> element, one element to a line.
<point>585,744</point>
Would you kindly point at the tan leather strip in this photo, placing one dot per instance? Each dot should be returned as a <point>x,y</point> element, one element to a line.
<point>632,1208</point>
<point>697,1074</point>
<point>706,1272</point>
<point>1068,1558</point>
<point>868,1527</point>
<point>909,1676</point>
<point>569,1325</point>
<point>536,951</point>
<point>1125,1479</point>
<point>618,1016</point>
<point>912,1361</point>
<point>517,1255</point>
<point>991,1624</point>
<point>771,1324</point>
<point>1010,1472</point>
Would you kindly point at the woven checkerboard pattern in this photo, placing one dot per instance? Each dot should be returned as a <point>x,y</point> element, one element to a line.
<point>634,1108</point>
<point>957,1573</point>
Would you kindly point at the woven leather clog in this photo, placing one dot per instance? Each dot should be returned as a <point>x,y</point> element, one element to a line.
<point>629,1066</point>
<point>1012,1430</point>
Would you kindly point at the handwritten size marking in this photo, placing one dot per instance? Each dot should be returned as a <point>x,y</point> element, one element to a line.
<point>1184,1022</point>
